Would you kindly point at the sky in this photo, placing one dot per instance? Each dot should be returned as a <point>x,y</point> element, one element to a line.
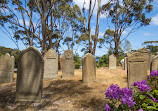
<point>147,33</point>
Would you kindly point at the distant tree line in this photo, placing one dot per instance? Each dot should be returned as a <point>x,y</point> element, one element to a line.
<point>49,24</point>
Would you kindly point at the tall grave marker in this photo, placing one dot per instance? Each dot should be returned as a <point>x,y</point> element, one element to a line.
<point>68,64</point>
<point>88,68</point>
<point>137,70</point>
<point>30,75</point>
<point>6,68</point>
<point>50,64</point>
<point>112,62</point>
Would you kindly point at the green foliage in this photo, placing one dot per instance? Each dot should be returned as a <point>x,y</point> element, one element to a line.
<point>3,12</point>
<point>77,61</point>
<point>152,46</point>
<point>145,99</point>
<point>127,13</point>
<point>142,95</point>
<point>103,61</point>
<point>84,40</point>
<point>108,38</point>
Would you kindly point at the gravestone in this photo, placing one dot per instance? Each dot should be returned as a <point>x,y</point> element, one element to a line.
<point>137,70</point>
<point>125,63</point>
<point>30,75</point>
<point>88,68</point>
<point>112,62</point>
<point>6,68</point>
<point>129,54</point>
<point>50,64</point>
<point>61,61</point>
<point>154,64</point>
<point>122,64</point>
<point>146,56</point>
<point>68,64</point>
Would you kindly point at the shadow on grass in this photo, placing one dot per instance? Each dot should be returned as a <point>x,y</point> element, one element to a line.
<point>56,93</point>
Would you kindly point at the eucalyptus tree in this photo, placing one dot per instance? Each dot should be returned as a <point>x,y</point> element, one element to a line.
<point>127,14</point>
<point>108,39</point>
<point>41,23</point>
<point>4,16</point>
<point>152,46</point>
<point>86,37</point>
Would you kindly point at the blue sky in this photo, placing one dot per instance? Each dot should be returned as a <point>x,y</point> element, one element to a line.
<point>136,39</point>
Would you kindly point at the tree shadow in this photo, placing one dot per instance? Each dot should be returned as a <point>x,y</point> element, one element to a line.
<point>58,91</point>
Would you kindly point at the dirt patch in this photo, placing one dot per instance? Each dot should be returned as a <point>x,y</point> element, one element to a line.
<point>66,94</point>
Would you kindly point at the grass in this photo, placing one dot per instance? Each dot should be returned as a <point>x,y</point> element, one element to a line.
<point>66,94</point>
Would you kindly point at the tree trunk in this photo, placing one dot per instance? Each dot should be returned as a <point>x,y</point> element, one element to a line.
<point>97,28</point>
<point>89,27</point>
<point>44,28</point>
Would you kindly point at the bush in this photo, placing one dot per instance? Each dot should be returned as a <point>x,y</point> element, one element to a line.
<point>77,61</point>
<point>103,61</point>
<point>141,96</point>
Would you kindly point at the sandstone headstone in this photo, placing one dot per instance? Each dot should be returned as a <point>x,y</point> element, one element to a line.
<point>112,62</point>
<point>125,63</point>
<point>154,64</point>
<point>146,56</point>
<point>50,64</point>
<point>129,53</point>
<point>6,68</point>
<point>61,61</point>
<point>68,64</point>
<point>122,64</point>
<point>137,70</point>
<point>88,68</point>
<point>30,75</point>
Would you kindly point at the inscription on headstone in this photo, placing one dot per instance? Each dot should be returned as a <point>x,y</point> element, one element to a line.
<point>146,55</point>
<point>50,64</point>
<point>137,70</point>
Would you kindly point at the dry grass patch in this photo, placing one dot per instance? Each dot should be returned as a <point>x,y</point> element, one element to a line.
<point>67,94</point>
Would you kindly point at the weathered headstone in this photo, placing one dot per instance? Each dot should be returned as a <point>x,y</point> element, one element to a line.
<point>125,63</point>
<point>137,70</point>
<point>68,64</point>
<point>30,75</point>
<point>146,56</point>
<point>88,68</point>
<point>122,64</point>
<point>129,53</point>
<point>50,64</point>
<point>61,61</point>
<point>154,64</point>
<point>6,68</point>
<point>112,62</point>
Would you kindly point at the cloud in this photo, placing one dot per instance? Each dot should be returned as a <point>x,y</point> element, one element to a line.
<point>147,34</point>
<point>26,22</point>
<point>154,20</point>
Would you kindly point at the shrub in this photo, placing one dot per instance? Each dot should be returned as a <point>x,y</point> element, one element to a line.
<point>142,96</point>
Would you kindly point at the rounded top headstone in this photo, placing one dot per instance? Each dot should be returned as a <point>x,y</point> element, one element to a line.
<point>88,55</point>
<point>143,50</point>
<point>51,53</point>
<point>136,56</point>
<point>68,54</point>
<point>7,55</point>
